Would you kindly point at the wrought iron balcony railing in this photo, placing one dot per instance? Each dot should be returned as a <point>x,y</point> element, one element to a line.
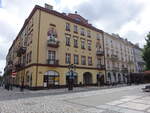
<point>115,69</point>
<point>53,62</point>
<point>53,43</point>
<point>100,66</point>
<point>114,57</point>
<point>124,69</point>
<point>20,51</point>
<point>100,52</point>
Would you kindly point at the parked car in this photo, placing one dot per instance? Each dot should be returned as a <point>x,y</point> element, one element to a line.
<point>146,89</point>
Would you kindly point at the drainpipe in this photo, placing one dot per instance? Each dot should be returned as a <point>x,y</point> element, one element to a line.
<point>38,47</point>
<point>104,55</point>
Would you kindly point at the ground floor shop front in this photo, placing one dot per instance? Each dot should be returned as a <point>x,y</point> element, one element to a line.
<point>37,77</point>
<point>117,77</point>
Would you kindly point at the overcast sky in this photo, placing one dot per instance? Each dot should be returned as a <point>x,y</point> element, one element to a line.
<point>129,18</point>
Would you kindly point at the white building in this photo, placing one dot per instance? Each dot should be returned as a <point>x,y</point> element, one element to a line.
<point>119,58</point>
<point>139,62</point>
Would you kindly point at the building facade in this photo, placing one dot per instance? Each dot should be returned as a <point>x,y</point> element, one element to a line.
<point>119,58</point>
<point>48,42</point>
<point>138,60</point>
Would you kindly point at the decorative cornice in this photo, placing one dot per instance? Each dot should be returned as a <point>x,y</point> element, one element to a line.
<point>57,66</point>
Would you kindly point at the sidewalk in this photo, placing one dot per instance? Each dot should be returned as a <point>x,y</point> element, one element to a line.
<point>65,90</point>
<point>16,93</point>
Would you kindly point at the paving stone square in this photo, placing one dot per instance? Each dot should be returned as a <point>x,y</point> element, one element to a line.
<point>129,99</point>
<point>136,106</point>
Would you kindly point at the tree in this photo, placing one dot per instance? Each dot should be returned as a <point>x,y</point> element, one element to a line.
<point>146,52</point>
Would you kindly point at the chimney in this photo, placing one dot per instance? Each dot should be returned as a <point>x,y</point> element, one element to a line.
<point>47,6</point>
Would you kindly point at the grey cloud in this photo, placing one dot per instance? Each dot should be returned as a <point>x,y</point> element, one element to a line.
<point>135,37</point>
<point>4,46</point>
<point>114,13</point>
<point>6,31</point>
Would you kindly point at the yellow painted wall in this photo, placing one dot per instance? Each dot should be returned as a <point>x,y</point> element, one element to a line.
<point>62,74</point>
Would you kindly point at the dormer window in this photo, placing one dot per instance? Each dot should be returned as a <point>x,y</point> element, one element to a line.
<point>78,19</point>
<point>67,27</point>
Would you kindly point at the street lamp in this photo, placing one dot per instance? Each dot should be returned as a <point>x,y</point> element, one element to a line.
<point>71,68</point>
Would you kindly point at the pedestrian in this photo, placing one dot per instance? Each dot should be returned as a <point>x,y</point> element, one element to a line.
<point>22,86</point>
<point>8,86</point>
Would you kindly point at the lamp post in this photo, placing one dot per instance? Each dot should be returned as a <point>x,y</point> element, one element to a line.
<point>71,68</point>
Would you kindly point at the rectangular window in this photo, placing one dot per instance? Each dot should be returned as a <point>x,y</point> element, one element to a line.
<point>89,61</point>
<point>68,58</point>
<point>83,60</point>
<point>67,41</point>
<point>99,61</point>
<point>51,55</point>
<point>30,56</point>
<point>27,58</point>
<point>82,32</point>
<point>82,44</point>
<point>89,33</point>
<point>24,59</point>
<point>75,29</point>
<point>98,36</point>
<point>67,27</point>
<point>89,45</point>
<point>108,65</point>
<point>76,43</point>
<point>76,59</point>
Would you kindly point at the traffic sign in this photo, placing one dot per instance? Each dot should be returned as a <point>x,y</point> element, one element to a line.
<point>13,74</point>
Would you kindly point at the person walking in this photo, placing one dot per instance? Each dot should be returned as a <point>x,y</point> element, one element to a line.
<point>22,86</point>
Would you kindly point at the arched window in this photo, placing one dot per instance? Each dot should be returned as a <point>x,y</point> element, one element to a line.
<point>51,73</point>
<point>51,78</point>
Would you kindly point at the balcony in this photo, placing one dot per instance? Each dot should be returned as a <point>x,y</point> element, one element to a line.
<point>114,57</point>
<point>100,66</point>
<point>130,62</point>
<point>124,69</point>
<point>8,69</point>
<point>99,52</point>
<point>20,51</point>
<point>19,65</point>
<point>10,62</point>
<point>115,69</point>
<point>53,43</point>
<point>53,62</point>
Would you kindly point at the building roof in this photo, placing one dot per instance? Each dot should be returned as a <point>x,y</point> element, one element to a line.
<point>70,17</point>
<point>78,18</point>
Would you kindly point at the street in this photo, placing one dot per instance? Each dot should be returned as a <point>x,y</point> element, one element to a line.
<point>127,99</point>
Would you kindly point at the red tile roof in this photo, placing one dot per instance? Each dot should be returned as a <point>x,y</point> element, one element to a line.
<point>78,18</point>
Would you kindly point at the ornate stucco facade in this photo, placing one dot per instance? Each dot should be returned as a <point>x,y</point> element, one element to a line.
<point>49,41</point>
<point>138,60</point>
<point>119,58</point>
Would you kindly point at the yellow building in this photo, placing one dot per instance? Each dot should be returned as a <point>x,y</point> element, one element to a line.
<point>48,42</point>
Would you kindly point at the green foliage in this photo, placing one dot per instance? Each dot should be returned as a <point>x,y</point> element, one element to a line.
<point>146,52</point>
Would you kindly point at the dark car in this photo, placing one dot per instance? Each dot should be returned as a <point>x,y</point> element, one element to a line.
<point>147,88</point>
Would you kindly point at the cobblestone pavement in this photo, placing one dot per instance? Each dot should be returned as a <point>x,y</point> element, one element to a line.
<point>128,99</point>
